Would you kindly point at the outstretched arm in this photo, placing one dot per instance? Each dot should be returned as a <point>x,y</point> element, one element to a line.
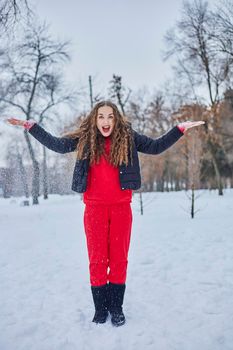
<point>56,144</point>
<point>148,145</point>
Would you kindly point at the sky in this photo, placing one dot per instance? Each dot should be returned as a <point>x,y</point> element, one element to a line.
<point>124,37</point>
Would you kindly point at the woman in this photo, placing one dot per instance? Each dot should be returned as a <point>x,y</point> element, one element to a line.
<point>106,171</point>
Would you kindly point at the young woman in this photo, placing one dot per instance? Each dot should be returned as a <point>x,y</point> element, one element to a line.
<point>106,171</point>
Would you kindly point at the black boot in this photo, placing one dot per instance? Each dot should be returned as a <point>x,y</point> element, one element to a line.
<point>116,297</point>
<point>100,297</point>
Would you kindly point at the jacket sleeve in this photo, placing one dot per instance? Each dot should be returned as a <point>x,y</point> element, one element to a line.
<point>148,145</point>
<point>56,144</point>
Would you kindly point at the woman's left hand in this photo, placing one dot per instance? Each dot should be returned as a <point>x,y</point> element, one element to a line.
<point>188,125</point>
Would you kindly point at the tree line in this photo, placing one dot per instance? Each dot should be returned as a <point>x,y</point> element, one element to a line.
<point>33,86</point>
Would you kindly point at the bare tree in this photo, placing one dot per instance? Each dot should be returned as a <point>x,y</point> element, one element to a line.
<point>226,112</point>
<point>222,34</point>
<point>192,152</point>
<point>11,11</point>
<point>198,60</point>
<point>33,84</point>
<point>194,167</point>
<point>93,98</point>
<point>118,92</point>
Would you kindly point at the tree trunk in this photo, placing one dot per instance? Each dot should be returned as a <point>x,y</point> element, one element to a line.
<point>218,177</point>
<point>177,184</point>
<point>216,167</point>
<point>45,174</point>
<point>151,185</point>
<point>231,182</point>
<point>192,202</point>
<point>23,176</point>
<point>160,185</point>
<point>36,171</point>
<point>141,203</point>
<point>91,93</point>
<point>186,166</point>
<point>35,183</point>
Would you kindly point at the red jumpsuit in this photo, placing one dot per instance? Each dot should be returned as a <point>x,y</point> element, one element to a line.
<point>107,223</point>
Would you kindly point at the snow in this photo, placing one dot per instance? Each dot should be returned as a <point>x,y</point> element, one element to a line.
<point>179,284</point>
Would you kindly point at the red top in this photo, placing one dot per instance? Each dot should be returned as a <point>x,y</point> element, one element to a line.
<point>103,183</point>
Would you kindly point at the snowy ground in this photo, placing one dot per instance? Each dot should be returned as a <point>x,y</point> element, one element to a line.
<point>179,286</point>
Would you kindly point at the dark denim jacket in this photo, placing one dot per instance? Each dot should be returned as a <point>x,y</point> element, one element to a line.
<point>130,177</point>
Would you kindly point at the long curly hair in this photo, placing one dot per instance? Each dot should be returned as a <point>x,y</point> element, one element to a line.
<point>91,141</point>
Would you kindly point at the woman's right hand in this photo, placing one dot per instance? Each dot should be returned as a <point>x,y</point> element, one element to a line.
<point>15,121</point>
<point>27,124</point>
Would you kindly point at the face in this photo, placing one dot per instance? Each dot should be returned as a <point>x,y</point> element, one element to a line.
<point>105,120</point>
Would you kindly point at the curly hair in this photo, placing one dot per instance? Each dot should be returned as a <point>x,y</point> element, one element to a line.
<point>91,141</point>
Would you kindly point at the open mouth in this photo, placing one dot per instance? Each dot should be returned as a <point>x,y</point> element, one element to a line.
<point>106,128</point>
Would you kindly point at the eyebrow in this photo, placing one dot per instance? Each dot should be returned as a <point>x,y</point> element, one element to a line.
<point>102,114</point>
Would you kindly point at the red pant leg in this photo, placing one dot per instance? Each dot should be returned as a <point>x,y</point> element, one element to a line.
<point>96,224</point>
<point>119,240</point>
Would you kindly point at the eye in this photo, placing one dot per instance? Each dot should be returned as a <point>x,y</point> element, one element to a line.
<point>111,116</point>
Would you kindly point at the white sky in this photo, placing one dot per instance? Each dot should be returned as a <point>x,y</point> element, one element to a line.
<point>124,37</point>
